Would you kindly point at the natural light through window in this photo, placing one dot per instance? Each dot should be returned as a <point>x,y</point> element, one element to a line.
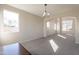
<point>48,24</point>
<point>67,25</point>
<point>62,36</point>
<point>53,45</point>
<point>11,20</point>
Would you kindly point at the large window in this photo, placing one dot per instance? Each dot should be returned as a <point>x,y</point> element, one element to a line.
<point>67,25</point>
<point>11,21</point>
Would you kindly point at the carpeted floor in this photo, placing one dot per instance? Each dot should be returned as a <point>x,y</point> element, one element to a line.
<point>58,44</point>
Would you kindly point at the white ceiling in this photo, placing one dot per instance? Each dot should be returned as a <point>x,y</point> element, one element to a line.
<point>38,9</point>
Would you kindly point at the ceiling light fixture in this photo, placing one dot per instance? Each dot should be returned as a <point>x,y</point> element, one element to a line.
<point>45,11</point>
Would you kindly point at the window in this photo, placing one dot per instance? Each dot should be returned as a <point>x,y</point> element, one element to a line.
<point>11,21</point>
<point>67,25</point>
<point>48,24</point>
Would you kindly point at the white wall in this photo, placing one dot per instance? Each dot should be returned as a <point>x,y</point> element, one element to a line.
<point>0,22</point>
<point>31,27</point>
<point>77,30</point>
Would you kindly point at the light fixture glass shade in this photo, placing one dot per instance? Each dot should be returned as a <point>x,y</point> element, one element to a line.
<point>46,14</point>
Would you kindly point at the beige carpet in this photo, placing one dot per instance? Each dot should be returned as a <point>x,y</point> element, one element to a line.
<point>53,45</point>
